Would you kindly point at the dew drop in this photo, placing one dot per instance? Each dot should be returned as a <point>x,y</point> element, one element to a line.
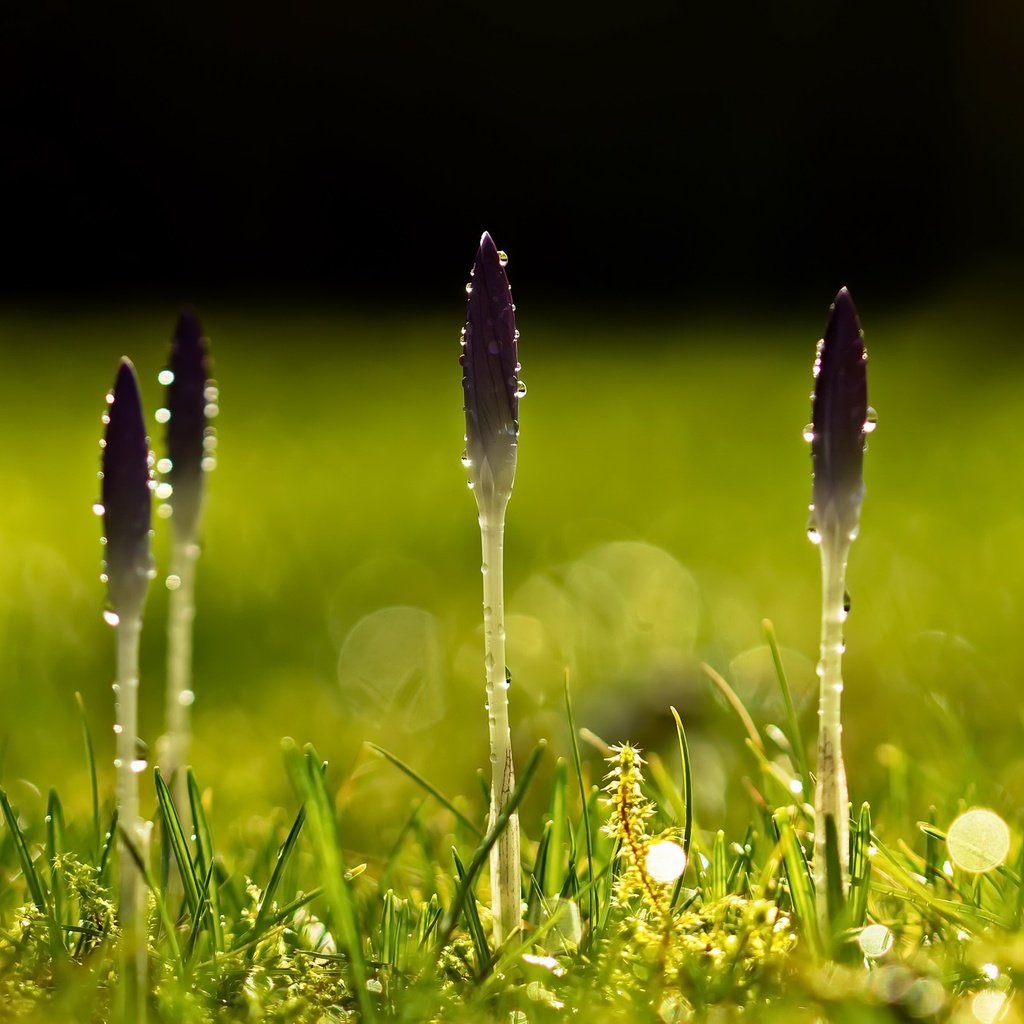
<point>98,509</point>
<point>165,466</point>
<point>165,377</point>
<point>164,490</point>
<point>665,861</point>
<point>978,841</point>
<point>118,729</point>
<point>871,422</point>
<point>875,940</point>
<point>847,602</point>
<point>808,433</point>
<point>209,464</point>
<point>469,287</point>
<point>117,764</point>
<point>110,398</point>
<point>186,698</point>
<point>521,389</point>
<point>466,460</point>
<point>162,415</point>
<point>164,511</point>
<point>516,334</point>
<point>111,618</point>
<point>211,393</point>
<point>503,257</point>
<point>172,582</point>
<point>105,420</point>
<point>140,764</point>
<point>813,534</point>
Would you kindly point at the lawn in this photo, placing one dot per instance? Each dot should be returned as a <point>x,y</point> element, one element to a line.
<point>659,516</point>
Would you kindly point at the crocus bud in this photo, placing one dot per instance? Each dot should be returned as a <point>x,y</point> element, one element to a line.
<point>491,377</point>
<point>190,399</point>
<point>126,496</point>
<point>839,420</point>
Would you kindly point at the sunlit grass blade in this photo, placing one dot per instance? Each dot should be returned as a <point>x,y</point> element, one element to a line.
<point>552,872</point>
<point>585,815</point>
<point>306,772</point>
<point>426,786</point>
<point>687,770</point>
<point>90,761</point>
<point>473,925</point>
<point>796,738</point>
<point>109,841</point>
<point>801,886</point>
<point>175,837</point>
<point>483,851</point>
<point>860,869</point>
<point>719,875</point>
<point>55,847</point>
<point>535,897</point>
<point>36,887</point>
<point>284,855</point>
<point>205,858</point>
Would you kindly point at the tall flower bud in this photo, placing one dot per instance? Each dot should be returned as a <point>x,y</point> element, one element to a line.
<point>490,381</point>
<point>839,415</point>
<point>191,401</point>
<point>126,497</point>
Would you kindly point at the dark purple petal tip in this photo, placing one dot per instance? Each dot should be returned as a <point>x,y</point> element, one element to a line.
<point>839,416</point>
<point>188,402</point>
<point>126,495</point>
<point>490,379</point>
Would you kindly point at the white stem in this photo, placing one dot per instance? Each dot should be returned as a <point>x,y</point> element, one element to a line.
<point>181,614</point>
<point>132,886</point>
<point>506,900</point>
<point>831,802</point>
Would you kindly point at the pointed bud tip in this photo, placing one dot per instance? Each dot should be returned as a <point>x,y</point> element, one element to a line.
<point>189,326</point>
<point>487,246</point>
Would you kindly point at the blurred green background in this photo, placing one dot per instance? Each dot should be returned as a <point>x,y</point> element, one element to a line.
<point>659,515</point>
<point>682,188</point>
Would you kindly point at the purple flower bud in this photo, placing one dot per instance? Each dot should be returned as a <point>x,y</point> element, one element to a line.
<point>126,496</point>
<point>839,416</point>
<point>190,396</point>
<point>490,376</point>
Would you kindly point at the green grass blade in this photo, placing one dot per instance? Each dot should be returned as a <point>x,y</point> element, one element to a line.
<point>108,844</point>
<point>90,759</point>
<point>175,837</point>
<point>801,884</point>
<point>322,826</point>
<point>719,883</point>
<point>28,869</point>
<point>684,758</point>
<point>161,903</point>
<point>264,912</point>
<point>860,870</point>
<point>552,875</point>
<point>588,825</point>
<point>473,925</point>
<point>55,846</point>
<point>796,738</point>
<point>536,895</point>
<point>835,900</point>
<point>205,858</point>
<point>483,850</point>
<point>428,786</point>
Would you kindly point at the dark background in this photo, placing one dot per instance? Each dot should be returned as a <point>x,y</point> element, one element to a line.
<point>705,152</point>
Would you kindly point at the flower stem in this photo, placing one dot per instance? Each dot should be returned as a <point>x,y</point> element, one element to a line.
<point>506,900</point>
<point>181,614</point>
<point>831,801</point>
<point>132,888</point>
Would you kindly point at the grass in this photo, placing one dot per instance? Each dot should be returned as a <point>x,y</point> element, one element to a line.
<point>658,518</point>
